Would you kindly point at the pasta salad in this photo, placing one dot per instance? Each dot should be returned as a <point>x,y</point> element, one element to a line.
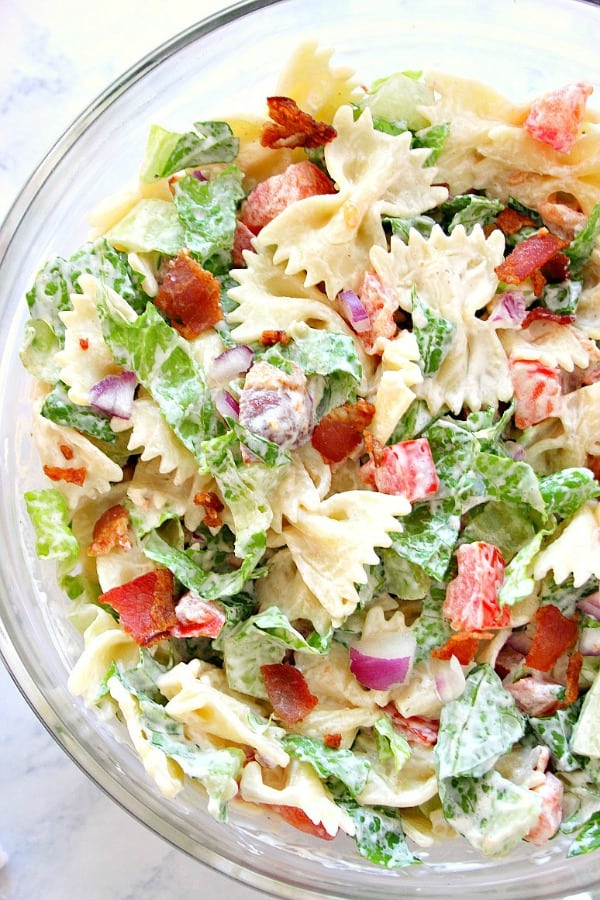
<point>318,413</point>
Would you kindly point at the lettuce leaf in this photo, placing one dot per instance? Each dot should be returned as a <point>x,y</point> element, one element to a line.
<point>427,539</point>
<point>168,152</point>
<point>431,628</point>
<point>566,491</point>
<point>58,408</point>
<point>344,765</point>
<point>581,247</point>
<point>434,335</point>
<point>390,743</point>
<point>469,210</point>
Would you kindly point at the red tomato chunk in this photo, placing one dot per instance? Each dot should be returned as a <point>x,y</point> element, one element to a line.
<point>406,469</point>
<point>537,391</point>
<point>471,602</point>
<point>556,118</point>
<point>274,194</point>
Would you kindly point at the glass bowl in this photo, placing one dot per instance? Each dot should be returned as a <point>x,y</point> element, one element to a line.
<point>225,64</point>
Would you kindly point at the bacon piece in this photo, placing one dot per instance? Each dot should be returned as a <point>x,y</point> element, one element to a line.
<point>510,221</point>
<point>463,645</point>
<point>295,816</point>
<point>471,601</point>
<point>190,296</point>
<point>537,391</point>
<point>333,740</point>
<point>274,336</point>
<point>288,692</point>
<point>415,729</point>
<point>553,636</point>
<point>292,127</point>
<point>145,605</point>
<point>528,257</point>
<point>540,312</point>
<point>66,451</point>
<point>556,118</point>
<point>535,698</point>
<point>381,305</point>
<point>84,343</point>
<point>197,617</point>
<point>111,532</point>
<point>274,194</point>
<point>340,431</point>
<point>212,507</point>
<point>70,475</point>
<point>573,672</point>
<point>551,794</point>
<point>405,469</point>
<point>557,268</point>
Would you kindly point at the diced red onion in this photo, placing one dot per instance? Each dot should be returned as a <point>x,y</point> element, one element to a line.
<point>516,450</point>
<point>589,642</point>
<point>114,395</point>
<point>354,311</point>
<point>199,175</point>
<point>590,605</point>
<point>449,678</point>
<point>231,363</point>
<point>509,311</point>
<point>226,404</point>
<point>383,661</point>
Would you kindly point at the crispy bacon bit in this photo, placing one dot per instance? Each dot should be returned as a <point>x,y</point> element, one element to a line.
<point>471,602</point>
<point>537,391</point>
<point>66,451</point>
<point>274,194</point>
<point>292,127</point>
<point>295,816</point>
<point>190,296</point>
<point>333,740</point>
<point>541,312</point>
<point>463,645</point>
<point>212,507</point>
<point>557,268</point>
<point>556,118</point>
<point>145,606</point>
<point>416,729</point>
<point>340,431</point>
<point>70,475</point>
<point>197,617</point>
<point>553,635</point>
<point>573,672</point>
<point>510,221</point>
<point>381,304</point>
<point>111,531</point>
<point>84,343</point>
<point>288,692</point>
<point>274,336</point>
<point>406,469</point>
<point>528,257</point>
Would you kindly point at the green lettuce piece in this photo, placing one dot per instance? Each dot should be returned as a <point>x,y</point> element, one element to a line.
<point>491,812</point>
<point>403,578</point>
<point>390,744</point>
<point>396,99</point>
<point>413,423</point>
<point>588,838</point>
<point>455,448</point>
<point>164,365</point>
<point>207,211</point>
<point>431,628</point>
<point>38,351</point>
<point>379,835</point>
<point>508,527</point>
<point>566,491</point>
<point>519,582</point>
<point>344,765</point>
<point>59,278</point>
<point>264,450</point>
<point>427,540</point>
<point>555,732</point>
<point>434,335</point>
<point>510,481</point>
<point>261,640</point>
<point>563,297</point>
<point>153,225</point>
<point>433,138</point>
<point>585,739</point>
<point>54,539</point>
<point>469,210</point>
<point>204,582</point>
<point>168,152</point>
<point>478,727</point>
<point>565,596</point>
<point>58,408</point>
<point>581,247</point>
<point>401,227</point>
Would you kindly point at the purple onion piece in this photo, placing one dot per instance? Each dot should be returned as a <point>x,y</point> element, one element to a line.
<point>383,661</point>
<point>114,394</point>
<point>354,311</point>
<point>590,605</point>
<point>509,310</point>
<point>231,363</point>
<point>226,405</point>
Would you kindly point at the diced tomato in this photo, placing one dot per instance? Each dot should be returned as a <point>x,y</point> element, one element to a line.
<point>295,816</point>
<point>536,698</point>
<point>242,240</point>
<point>406,469</point>
<point>69,474</point>
<point>528,258</point>
<point>274,194</point>
<point>190,296</point>
<point>333,740</point>
<point>145,605</point>
<point>554,635</point>
<point>292,127</point>
<point>288,692</point>
<point>111,531</point>
<point>340,431</point>
<point>556,118</point>
<point>537,391</point>
<point>550,793</point>
<point>271,336</point>
<point>197,617</point>
<point>381,305</point>
<point>463,645</point>
<point>415,729</point>
<point>471,602</point>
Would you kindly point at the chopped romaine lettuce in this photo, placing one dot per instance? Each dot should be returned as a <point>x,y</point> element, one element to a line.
<point>397,99</point>
<point>434,335</point>
<point>328,762</point>
<point>168,152</point>
<point>58,408</point>
<point>390,743</point>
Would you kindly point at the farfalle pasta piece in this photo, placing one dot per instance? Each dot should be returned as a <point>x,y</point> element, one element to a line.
<point>547,342</point>
<point>488,148</point>
<point>104,643</point>
<point>309,79</point>
<point>155,495</point>
<point>569,439</point>
<point>329,236</point>
<point>332,545</point>
<point>305,483</point>
<point>576,550</point>
<point>284,588</point>
<point>414,783</point>
<point>454,275</point>
<point>399,373</point>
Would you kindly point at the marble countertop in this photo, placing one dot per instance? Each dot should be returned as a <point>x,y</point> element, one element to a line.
<point>57,829</point>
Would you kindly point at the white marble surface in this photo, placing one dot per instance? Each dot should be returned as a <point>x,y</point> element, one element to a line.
<point>61,838</point>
